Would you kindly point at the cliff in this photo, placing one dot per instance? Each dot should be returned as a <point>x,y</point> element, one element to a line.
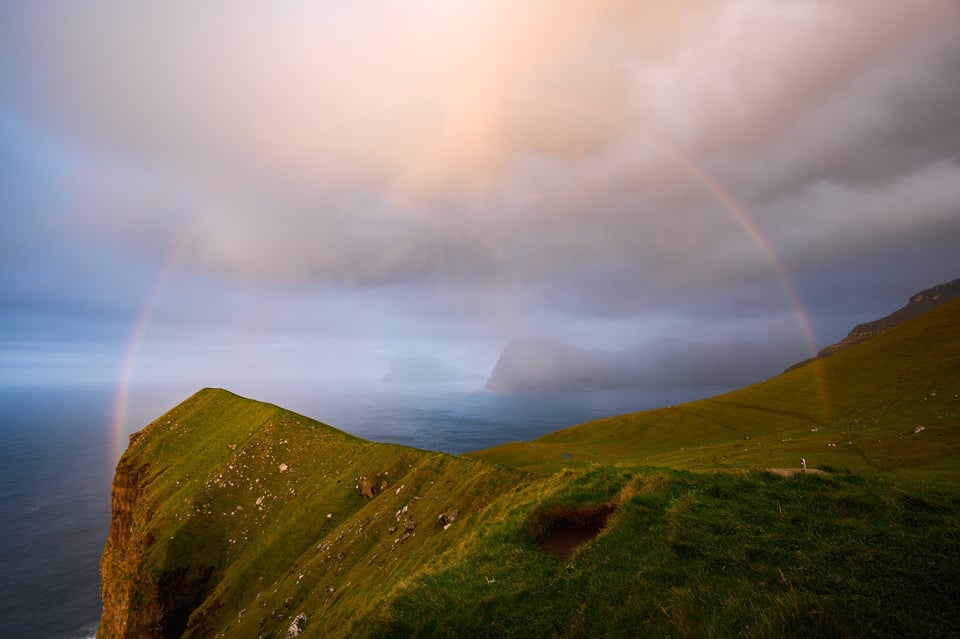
<point>121,561</point>
<point>225,506</point>
<point>917,305</point>
<point>552,365</point>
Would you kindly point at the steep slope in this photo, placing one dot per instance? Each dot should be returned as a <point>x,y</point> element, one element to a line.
<point>226,504</point>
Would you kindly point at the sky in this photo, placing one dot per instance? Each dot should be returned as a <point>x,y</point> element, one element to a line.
<point>226,192</point>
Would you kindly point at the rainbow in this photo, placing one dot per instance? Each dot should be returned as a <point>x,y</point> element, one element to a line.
<point>745,222</point>
<point>739,214</point>
<point>736,211</point>
<point>118,420</point>
<point>689,167</point>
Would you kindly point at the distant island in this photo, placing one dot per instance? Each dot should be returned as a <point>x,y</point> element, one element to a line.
<point>542,364</point>
<point>426,370</point>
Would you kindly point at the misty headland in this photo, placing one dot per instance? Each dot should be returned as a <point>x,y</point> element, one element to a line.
<point>552,365</point>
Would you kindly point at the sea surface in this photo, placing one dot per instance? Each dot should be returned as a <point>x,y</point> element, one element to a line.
<point>56,466</point>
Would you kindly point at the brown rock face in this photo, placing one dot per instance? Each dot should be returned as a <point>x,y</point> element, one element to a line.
<point>916,306</point>
<point>121,560</point>
<point>139,602</point>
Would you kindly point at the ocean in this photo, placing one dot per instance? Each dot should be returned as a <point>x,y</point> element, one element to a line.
<point>56,466</point>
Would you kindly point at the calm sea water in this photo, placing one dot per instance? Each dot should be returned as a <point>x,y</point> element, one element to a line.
<point>56,470</point>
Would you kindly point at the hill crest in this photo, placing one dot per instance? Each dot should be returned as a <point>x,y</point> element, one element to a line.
<point>918,304</point>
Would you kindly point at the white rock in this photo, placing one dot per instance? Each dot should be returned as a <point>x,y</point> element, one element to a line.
<point>299,623</point>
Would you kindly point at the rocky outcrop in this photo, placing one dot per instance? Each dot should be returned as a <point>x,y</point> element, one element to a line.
<point>296,628</point>
<point>917,305</point>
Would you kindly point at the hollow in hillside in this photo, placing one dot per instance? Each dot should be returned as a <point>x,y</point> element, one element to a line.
<point>569,528</point>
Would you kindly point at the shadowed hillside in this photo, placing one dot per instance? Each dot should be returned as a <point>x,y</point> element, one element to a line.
<point>238,518</point>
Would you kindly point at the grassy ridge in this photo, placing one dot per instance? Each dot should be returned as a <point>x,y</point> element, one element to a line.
<point>855,410</point>
<point>267,509</point>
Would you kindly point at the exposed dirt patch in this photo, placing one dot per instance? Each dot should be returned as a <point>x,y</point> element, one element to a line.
<point>568,529</point>
<point>790,472</point>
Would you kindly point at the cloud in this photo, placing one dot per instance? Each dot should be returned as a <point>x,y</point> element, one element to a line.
<point>576,157</point>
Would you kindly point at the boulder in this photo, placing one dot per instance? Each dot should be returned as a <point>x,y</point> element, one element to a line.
<point>299,623</point>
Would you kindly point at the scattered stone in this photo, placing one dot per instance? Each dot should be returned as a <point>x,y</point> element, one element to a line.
<point>447,518</point>
<point>401,539</point>
<point>283,467</point>
<point>298,625</point>
<point>918,429</point>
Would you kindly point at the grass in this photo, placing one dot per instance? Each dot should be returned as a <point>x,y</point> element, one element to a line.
<point>690,554</point>
<point>258,514</point>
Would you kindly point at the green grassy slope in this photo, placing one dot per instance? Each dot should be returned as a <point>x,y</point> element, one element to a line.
<point>701,555</point>
<point>856,410</point>
<point>271,501</point>
<point>264,508</point>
